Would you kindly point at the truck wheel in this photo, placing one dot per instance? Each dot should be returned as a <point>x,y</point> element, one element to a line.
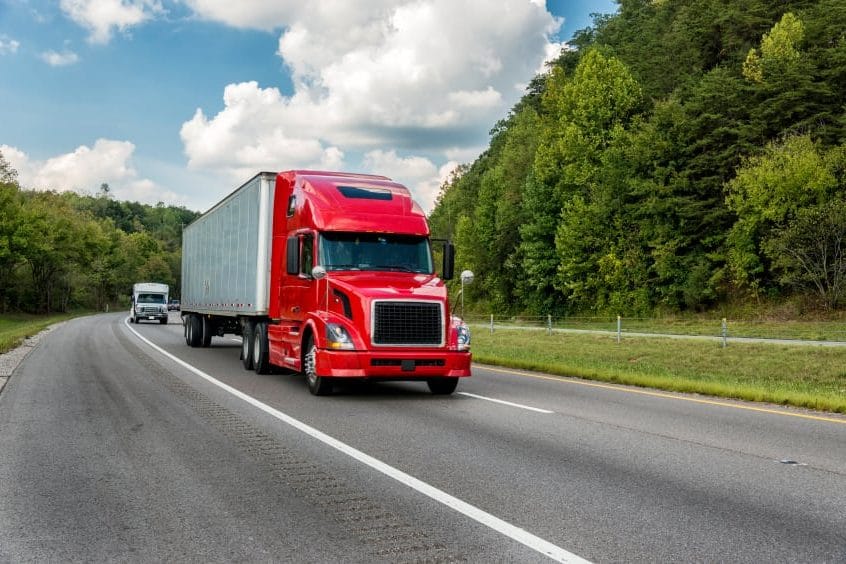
<point>195,331</point>
<point>442,386</point>
<point>207,332</point>
<point>247,345</point>
<point>163,321</point>
<point>317,385</point>
<point>261,354</point>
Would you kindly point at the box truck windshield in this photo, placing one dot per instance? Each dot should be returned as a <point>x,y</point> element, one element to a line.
<point>151,298</point>
<point>375,251</point>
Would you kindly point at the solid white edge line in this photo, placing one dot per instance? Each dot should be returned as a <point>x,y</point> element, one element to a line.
<point>503,402</point>
<point>516,533</point>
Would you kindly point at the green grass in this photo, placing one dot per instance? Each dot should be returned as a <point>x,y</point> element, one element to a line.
<point>804,376</point>
<point>14,328</point>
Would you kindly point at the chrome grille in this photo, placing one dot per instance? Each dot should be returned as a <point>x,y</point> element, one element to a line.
<point>408,323</point>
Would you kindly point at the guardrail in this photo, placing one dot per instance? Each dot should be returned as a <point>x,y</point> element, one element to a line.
<point>723,329</point>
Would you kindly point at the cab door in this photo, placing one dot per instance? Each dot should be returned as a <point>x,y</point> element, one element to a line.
<point>297,292</point>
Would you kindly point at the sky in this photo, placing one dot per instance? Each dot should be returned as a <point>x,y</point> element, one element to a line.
<point>181,101</point>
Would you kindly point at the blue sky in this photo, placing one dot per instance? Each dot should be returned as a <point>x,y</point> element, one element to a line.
<point>180,101</point>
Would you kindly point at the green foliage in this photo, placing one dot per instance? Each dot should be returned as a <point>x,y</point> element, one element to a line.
<point>61,251</point>
<point>768,191</point>
<point>810,252</point>
<point>657,165</point>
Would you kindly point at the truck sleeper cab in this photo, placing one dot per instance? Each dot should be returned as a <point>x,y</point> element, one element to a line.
<point>345,284</point>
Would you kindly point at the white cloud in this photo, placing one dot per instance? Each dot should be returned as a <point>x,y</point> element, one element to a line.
<point>85,169</point>
<point>419,174</point>
<point>102,17</point>
<point>55,59</point>
<point>8,46</point>
<point>416,76</point>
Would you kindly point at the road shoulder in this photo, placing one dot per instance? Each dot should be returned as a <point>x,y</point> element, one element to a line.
<point>10,360</point>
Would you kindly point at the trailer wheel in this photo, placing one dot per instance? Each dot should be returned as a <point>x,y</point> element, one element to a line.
<point>207,332</point>
<point>195,331</point>
<point>261,353</point>
<point>247,345</point>
<point>442,386</point>
<point>317,385</point>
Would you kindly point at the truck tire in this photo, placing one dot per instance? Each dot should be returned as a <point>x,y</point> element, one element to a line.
<point>195,330</point>
<point>317,385</point>
<point>261,352</point>
<point>207,332</point>
<point>442,386</point>
<point>247,345</point>
<point>163,321</point>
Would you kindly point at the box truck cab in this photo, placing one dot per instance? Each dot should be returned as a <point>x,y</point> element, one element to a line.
<point>329,274</point>
<point>149,302</point>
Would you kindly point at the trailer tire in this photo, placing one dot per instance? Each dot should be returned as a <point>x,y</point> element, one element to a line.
<point>207,332</point>
<point>442,386</point>
<point>247,345</point>
<point>317,385</point>
<point>195,331</point>
<point>261,353</point>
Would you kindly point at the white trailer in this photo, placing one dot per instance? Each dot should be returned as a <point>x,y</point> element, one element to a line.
<point>149,302</point>
<point>225,258</point>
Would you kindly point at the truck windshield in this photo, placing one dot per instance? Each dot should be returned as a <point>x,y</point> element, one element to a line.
<point>151,299</point>
<point>375,251</point>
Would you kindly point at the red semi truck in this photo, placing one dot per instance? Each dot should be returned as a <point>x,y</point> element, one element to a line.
<point>325,273</point>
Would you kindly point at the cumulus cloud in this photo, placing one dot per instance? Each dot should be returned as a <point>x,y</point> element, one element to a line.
<point>55,59</point>
<point>8,46</point>
<point>419,174</point>
<point>417,76</point>
<point>102,17</point>
<point>85,169</point>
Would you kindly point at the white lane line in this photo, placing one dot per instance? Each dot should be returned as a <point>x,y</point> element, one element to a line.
<point>503,527</point>
<point>503,402</point>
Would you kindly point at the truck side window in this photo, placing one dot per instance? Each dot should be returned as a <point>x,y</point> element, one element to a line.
<point>292,205</point>
<point>307,257</point>
<point>293,255</point>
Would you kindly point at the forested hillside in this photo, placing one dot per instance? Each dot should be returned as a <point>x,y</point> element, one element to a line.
<point>61,251</point>
<point>686,154</point>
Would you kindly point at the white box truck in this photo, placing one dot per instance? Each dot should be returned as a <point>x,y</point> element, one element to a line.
<point>149,302</point>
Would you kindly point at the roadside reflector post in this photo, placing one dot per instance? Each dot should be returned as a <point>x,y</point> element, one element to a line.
<point>724,333</point>
<point>491,324</point>
<point>619,328</point>
<point>549,324</point>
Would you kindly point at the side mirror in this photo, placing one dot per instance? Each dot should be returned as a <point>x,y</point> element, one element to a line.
<point>449,261</point>
<point>318,272</point>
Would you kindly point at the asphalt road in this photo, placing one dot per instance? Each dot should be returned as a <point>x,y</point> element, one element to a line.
<point>111,450</point>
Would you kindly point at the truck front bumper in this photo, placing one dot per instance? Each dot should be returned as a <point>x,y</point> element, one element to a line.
<point>410,365</point>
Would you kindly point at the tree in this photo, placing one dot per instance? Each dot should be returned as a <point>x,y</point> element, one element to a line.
<point>768,192</point>
<point>810,252</point>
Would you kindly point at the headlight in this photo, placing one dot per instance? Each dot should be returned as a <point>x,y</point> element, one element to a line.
<point>463,337</point>
<point>337,337</point>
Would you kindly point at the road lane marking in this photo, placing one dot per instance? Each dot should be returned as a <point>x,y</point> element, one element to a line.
<point>621,388</point>
<point>503,402</point>
<point>522,536</point>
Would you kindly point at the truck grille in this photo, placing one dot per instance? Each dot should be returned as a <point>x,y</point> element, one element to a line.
<point>408,323</point>
<point>148,309</point>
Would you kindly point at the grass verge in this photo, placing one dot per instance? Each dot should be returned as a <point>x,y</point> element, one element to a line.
<point>14,328</point>
<point>801,376</point>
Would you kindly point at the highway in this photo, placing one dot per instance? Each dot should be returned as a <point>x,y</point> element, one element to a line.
<point>119,442</point>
